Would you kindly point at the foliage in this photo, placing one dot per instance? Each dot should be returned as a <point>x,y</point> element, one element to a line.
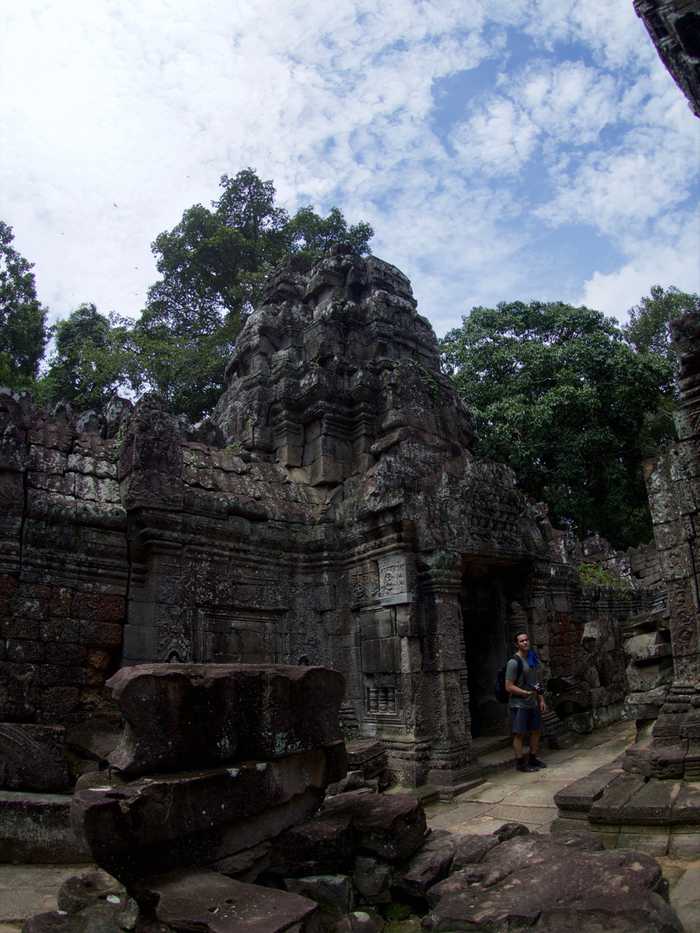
<point>559,395</point>
<point>93,358</point>
<point>23,331</point>
<point>595,575</point>
<point>213,265</point>
<point>648,330</point>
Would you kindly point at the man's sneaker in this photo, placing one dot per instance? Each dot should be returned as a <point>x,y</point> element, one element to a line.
<point>522,764</point>
<point>536,763</point>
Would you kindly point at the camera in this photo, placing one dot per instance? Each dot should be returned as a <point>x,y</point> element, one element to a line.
<point>538,688</point>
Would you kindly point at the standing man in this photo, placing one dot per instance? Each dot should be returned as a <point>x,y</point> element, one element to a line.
<point>526,705</point>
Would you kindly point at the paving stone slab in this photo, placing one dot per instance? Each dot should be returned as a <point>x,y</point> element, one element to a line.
<point>212,903</point>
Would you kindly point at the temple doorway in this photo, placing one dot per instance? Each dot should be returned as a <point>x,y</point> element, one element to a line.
<point>489,592</point>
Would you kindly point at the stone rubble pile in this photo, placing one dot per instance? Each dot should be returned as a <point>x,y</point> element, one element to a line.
<point>212,816</point>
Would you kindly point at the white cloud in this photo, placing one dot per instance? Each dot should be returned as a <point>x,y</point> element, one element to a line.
<point>669,257</point>
<point>497,140</point>
<point>143,106</point>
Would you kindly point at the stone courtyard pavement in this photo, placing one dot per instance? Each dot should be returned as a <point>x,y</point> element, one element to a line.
<point>506,796</point>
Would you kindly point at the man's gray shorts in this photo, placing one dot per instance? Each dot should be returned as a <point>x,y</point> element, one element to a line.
<point>524,720</point>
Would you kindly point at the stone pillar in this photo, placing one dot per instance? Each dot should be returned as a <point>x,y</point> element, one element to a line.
<point>673,484</point>
<point>445,712</point>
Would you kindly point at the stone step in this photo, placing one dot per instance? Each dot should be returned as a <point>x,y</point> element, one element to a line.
<point>35,828</point>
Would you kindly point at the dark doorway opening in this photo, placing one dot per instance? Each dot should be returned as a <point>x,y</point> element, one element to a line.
<point>491,609</point>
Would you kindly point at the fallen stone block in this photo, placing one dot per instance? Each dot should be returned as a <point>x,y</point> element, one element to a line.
<point>429,865</point>
<point>182,716</point>
<point>391,826</point>
<point>317,846</point>
<point>212,903</point>
<point>525,882</point>
<point>168,821</point>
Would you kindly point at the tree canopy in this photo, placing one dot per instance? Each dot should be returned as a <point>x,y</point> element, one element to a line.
<point>93,358</point>
<point>23,331</point>
<point>560,395</point>
<point>213,264</point>
<point>648,330</point>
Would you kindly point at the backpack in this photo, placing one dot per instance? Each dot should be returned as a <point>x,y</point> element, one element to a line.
<point>502,694</point>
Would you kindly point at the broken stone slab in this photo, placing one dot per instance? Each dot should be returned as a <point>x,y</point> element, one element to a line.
<point>32,757</point>
<point>169,821</point>
<point>391,826</point>
<point>181,716</point>
<point>212,903</point>
<point>607,808</point>
<point>533,881</point>
<point>582,794</point>
<point>429,865</point>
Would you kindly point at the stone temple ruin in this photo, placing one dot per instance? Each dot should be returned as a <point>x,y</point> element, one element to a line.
<point>330,513</point>
<point>170,594</point>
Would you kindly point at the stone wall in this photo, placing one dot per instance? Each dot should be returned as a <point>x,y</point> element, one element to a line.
<point>63,585</point>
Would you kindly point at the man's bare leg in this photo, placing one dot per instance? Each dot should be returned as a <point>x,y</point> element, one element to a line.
<point>534,742</point>
<point>518,738</point>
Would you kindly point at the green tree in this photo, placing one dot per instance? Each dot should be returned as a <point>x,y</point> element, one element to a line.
<point>23,330</point>
<point>559,395</point>
<point>213,265</point>
<point>648,330</point>
<point>93,358</point>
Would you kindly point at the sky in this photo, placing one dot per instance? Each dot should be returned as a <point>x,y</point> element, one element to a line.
<point>501,149</point>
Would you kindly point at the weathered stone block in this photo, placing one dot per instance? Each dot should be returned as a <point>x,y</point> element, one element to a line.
<point>167,821</point>
<point>393,826</point>
<point>314,847</point>
<point>188,715</point>
<point>527,881</point>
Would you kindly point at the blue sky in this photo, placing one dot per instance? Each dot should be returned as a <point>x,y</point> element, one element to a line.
<point>502,149</point>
